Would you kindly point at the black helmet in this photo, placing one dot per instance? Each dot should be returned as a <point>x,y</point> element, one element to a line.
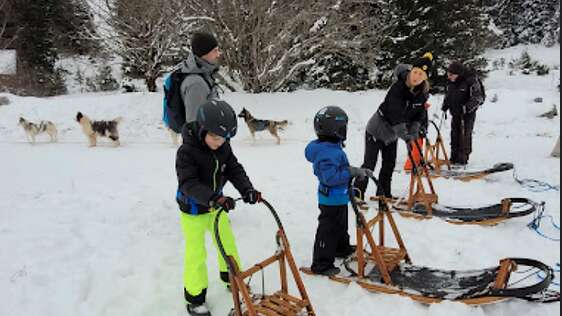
<point>331,122</point>
<point>219,118</point>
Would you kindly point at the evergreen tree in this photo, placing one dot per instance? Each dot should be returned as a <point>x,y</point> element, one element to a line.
<point>70,20</point>
<point>451,30</point>
<point>526,21</point>
<point>36,48</point>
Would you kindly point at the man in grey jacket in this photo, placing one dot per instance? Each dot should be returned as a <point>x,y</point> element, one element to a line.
<point>199,86</point>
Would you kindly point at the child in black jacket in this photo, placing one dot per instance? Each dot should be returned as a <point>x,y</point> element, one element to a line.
<point>205,163</point>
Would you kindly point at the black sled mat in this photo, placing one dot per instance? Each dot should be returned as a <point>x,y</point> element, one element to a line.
<point>519,208</point>
<point>466,285</point>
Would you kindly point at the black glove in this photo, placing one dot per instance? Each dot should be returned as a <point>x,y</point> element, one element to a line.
<point>360,173</point>
<point>224,202</point>
<point>252,197</point>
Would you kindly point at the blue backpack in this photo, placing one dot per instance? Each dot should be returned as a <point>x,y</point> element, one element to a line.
<point>174,108</point>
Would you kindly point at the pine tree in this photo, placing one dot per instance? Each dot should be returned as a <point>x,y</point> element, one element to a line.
<point>35,43</point>
<point>70,20</point>
<point>451,30</point>
<point>526,21</point>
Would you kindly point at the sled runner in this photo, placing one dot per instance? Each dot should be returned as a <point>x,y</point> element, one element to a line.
<point>379,268</point>
<point>437,158</point>
<point>281,303</point>
<point>423,203</point>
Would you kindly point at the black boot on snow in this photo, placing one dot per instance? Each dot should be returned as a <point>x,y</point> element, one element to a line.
<point>198,310</point>
<point>347,253</point>
<point>329,272</point>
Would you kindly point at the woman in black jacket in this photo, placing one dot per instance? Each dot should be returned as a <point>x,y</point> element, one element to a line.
<point>402,115</point>
<point>464,97</point>
<point>204,164</point>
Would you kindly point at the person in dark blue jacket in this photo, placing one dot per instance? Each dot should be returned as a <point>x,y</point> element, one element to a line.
<point>334,173</point>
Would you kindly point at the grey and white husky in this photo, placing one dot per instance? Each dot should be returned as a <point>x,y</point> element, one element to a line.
<point>34,129</point>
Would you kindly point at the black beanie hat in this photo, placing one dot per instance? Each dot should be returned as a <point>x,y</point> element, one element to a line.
<point>203,43</point>
<point>456,68</point>
<point>425,63</point>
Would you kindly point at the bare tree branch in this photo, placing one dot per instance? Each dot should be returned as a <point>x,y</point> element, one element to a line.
<point>267,42</point>
<point>145,33</point>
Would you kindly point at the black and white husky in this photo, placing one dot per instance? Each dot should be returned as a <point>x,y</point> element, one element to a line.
<point>95,129</point>
<point>33,129</point>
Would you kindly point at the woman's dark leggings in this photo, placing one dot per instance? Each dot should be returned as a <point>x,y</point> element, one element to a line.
<point>389,154</point>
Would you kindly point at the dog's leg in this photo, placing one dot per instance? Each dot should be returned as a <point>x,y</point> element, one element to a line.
<point>93,140</point>
<point>274,133</point>
<point>115,140</point>
<point>32,139</point>
<point>54,135</point>
<point>253,137</point>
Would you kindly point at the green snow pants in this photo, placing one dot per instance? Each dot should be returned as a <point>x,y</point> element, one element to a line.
<point>194,229</point>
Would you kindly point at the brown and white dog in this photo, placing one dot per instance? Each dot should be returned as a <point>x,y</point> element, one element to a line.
<point>95,129</point>
<point>32,129</point>
<point>256,125</point>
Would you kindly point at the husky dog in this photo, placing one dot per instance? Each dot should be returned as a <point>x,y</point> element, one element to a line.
<point>256,125</point>
<point>95,129</point>
<point>32,129</point>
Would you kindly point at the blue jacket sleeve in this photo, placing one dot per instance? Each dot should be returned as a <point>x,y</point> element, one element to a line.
<point>331,172</point>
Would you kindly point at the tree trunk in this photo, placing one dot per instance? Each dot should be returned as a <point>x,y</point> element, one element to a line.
<point>151,84</point>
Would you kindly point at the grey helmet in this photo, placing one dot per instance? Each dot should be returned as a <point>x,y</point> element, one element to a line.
<point>331,122</point>
<point>219,118</point>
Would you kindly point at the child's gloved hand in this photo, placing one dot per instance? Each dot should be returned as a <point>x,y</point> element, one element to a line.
<point>360,173</point>
<point>252,197</point>
<point>224,202</point>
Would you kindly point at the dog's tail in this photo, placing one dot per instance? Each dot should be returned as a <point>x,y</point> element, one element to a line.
<point>282,125</point>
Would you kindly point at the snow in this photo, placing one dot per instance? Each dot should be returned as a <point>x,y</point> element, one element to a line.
<point>96,231</point>
<point>8,62</point>
<point>88,68</point>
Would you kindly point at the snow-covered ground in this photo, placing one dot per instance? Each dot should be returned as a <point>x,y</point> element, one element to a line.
<point>96,231</point>
<point>8,63</point>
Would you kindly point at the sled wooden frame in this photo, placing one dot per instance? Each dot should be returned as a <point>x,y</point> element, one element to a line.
<point>282,303</point>
<point>388,259</point>
<point>418,193</point>
<point>423,192</point>
<point>436,154</point>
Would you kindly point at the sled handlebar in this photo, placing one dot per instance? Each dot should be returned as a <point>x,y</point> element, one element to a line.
<point>231,264</point>
<point>351,192</point>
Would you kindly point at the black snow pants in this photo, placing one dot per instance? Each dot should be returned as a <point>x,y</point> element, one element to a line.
<point>461,138</point>
<point>373,148</point>
<point>332,237</point>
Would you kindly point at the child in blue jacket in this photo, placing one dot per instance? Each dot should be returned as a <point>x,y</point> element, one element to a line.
<point>334,173</point>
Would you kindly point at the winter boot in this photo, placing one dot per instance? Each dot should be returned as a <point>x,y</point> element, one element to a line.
<point>347,253</point>
<point>198,310</point>
<point>329,272</point>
